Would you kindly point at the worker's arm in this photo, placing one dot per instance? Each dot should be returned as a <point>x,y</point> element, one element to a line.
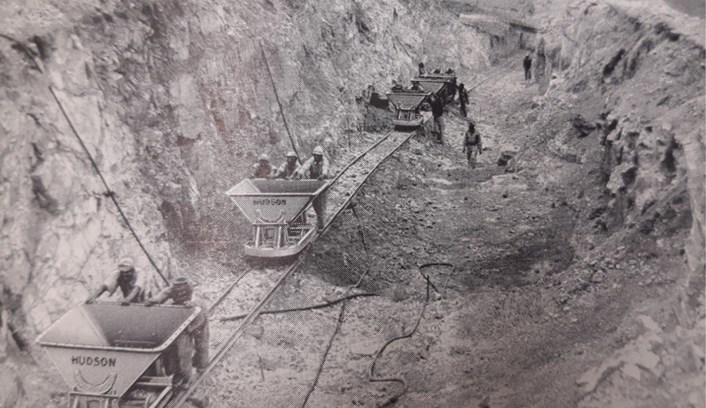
<point>324,170</point>
<point>301,173</point>
<point>160,298</point>
<point>102,288</point>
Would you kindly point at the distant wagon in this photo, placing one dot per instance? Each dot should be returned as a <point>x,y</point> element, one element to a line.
<point>407,105</point>
<point>277,211</point>
<point>442,85</point>
<point>111,357</point>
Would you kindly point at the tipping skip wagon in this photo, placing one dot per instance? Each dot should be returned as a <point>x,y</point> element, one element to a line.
<point>441,85</point>
<point>276,210</point>
<point>407,104</point>
<point>112,356</point>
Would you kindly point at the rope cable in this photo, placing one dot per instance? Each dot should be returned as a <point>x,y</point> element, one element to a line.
<point>108,193</point>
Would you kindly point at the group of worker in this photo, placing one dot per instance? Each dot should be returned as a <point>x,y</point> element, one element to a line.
<point>315,168</point>
<point>191,348</point>
<point>472,143</point>
<point>437,71</point>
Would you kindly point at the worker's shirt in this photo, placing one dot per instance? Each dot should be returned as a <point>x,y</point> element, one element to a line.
<point>201,319</point>
<point>313,170</point>
<point>287,172</point>
<point>168,294</point>
<point>259,171</point>
<point>437,109</point>
<point>472,139</point>
<point>116,279</point>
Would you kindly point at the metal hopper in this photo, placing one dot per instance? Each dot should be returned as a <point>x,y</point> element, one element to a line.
<point>271,200</point>
<point>103,349</point>
<point>433,85</point>
<point>441,85</point>
<point>407,100</point>
<point>407,104</point>
<point>275,209</point>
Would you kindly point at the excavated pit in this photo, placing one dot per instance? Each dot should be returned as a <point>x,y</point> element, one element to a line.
<point>576,274</point>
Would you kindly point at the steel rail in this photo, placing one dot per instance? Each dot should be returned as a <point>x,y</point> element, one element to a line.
<point>257,309</point>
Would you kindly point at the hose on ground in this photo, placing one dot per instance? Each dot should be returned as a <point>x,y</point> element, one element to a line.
<point>323,359</point>
<point>373,378</point>
<point>302,308</point>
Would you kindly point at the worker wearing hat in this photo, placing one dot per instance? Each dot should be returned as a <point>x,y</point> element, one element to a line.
<point>289,169</point>
<point>192,348</point>
<point>316,168</point>
<point>130,279</point>
<point>263,168</point>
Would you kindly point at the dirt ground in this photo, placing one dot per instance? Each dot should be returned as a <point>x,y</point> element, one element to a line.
<point>534,310</point>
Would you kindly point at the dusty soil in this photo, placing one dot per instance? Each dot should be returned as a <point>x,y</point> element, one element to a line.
<point>536,299</point>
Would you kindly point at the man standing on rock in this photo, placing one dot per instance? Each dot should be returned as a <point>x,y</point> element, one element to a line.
<point>289,169</point>
<point>527,64</point>
<point>316,168</point>
<point>422,71</point>
<point>263,168</point>
<point>437,110</point>
<point>195,341</point>
<point>472,145</point>
<point>130,279</point>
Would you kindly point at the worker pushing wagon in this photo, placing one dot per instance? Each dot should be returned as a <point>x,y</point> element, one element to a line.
<point>288,169</point>
<point>263,169</point>
<point>130,279</point>
<point>191,349</point>
<point>316,168</point>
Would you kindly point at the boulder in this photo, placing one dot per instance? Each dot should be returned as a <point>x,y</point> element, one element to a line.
<point>583,126</point>
<point>505,157</point>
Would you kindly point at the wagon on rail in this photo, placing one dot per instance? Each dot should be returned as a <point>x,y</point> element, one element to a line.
<point>110,357</point>
<point>442,85</point>
<point>407,105</point>
<point>277,211</point>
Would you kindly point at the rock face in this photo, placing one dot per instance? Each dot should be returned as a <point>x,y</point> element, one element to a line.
<point>173,100</point>
<point>651,80</point>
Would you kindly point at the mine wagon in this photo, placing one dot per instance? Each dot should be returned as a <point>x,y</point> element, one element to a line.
<point>407,105</point>
<point>114,356</point>
<point>443,86</point>
<point>277,211</point>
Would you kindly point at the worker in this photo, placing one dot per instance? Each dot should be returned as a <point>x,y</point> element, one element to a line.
<point>463,98</point>
<point>437,71</point>
<point>416,87</point>
<point>130,279</point>
<point>453,87</point>
<point>527,64</point>
<point>190,349</point>
<point>263,168</point>
<point>437,111</point>
<point>472,145</point>
<point>450,71</point>
<point>289,169</point>
<point>422,71</point>
<point>316,168</point>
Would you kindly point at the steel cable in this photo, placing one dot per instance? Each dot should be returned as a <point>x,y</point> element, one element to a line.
<point>108,193</point>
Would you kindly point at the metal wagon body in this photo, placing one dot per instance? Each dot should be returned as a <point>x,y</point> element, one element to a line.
<point>111,355</point>
<point>443,86</point>
<point>276,210</point>
<point>407,104</point>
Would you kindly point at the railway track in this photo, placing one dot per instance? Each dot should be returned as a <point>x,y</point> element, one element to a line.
<point>260,284</point>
